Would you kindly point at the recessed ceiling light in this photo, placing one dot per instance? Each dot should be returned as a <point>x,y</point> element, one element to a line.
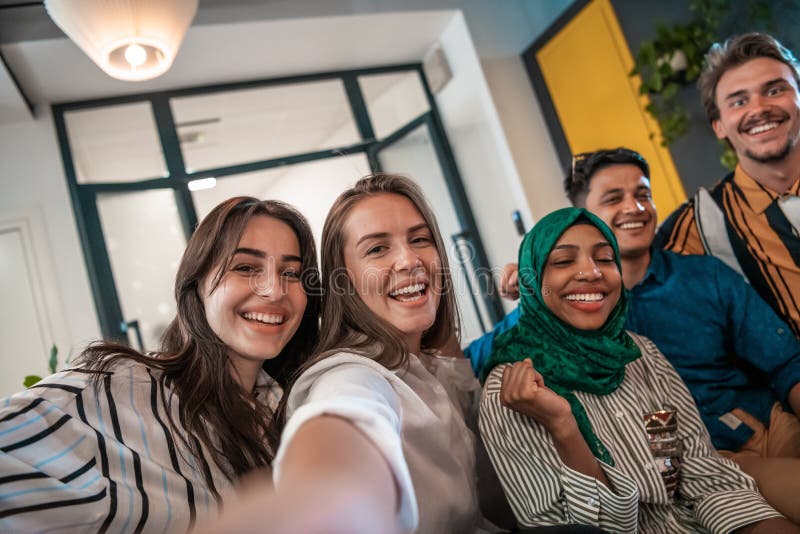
<point>202,183</point>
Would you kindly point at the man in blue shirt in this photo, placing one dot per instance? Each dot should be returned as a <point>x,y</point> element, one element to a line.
<point>738,358</point>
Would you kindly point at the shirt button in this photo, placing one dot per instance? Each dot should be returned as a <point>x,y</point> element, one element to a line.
<point>779,331</point>
<point>591,502</point>
<point>620,414</point>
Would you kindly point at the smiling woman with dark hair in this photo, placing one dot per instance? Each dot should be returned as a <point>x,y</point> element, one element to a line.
<point>132,442</point>
<point>588,423</point>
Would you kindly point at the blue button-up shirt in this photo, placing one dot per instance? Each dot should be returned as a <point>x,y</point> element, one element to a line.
<point>727,344</point>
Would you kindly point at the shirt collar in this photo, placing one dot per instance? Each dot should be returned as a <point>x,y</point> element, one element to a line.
<point>756,195</point>
<point>267,390</point>
<point>657,268</point>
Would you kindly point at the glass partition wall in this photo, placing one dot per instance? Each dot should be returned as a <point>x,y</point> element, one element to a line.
<point>143,169</point>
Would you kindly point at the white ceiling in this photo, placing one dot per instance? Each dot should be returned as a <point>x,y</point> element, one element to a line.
<point>55,70</point>
<point>12,105</point>
<point>234,40</point>
<point>499,27</point>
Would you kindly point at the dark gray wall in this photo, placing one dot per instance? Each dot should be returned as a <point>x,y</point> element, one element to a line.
<point>697,154</point>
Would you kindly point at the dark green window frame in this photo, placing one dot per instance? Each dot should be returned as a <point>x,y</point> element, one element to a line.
<point>83,196</point>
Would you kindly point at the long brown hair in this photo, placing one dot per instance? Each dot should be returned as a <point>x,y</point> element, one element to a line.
<point>347,323</point>
<point>213,407</point>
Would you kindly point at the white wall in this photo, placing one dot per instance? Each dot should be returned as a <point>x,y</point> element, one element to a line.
<point>495,129</point>
<point>26,331</point>
<point>525,129</point>
<point>480,147</point>
<point>32,181</point>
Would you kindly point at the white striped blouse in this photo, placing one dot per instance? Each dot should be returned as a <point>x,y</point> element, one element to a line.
<point>713,494</point>
<point>77,459</point>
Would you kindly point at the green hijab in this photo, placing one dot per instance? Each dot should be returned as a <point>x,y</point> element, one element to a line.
<point>569,359</point>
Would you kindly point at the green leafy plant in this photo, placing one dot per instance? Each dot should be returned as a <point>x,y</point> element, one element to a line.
<point>728,158</point>
<point>673,59</point>
<point>52,364</point>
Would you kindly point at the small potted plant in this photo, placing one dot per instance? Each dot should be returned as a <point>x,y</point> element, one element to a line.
<point>52,363</point>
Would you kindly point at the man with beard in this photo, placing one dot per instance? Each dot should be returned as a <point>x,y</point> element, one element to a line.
<point>751,218</point>
<point>736,356</point>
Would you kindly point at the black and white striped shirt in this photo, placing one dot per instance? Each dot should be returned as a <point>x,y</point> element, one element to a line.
<point>713,493</point>
<point>76,459</point>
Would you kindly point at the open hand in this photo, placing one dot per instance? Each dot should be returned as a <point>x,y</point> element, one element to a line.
<point>524,391</point>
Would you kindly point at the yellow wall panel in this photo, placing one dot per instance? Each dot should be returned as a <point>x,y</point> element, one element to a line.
<point>585,67</point>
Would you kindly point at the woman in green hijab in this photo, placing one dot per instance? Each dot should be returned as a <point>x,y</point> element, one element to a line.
<point>587,423</point>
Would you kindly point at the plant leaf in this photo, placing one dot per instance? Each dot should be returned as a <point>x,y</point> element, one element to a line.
<point>31,380</point>
<point>655,82</point>
<point>52,363</point>
<point>670,90</point>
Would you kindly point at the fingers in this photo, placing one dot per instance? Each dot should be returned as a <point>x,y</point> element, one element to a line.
<point>530,372</point>
<point>513,286</point>
<point>509,281</point>
<point>538,378</point>
<point>520,382</point>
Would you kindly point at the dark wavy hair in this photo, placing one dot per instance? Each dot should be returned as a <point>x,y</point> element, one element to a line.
<point>213,408</point>
<point>585,165</point>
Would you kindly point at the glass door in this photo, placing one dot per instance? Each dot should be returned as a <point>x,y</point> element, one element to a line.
<point>144,240</point>
<point>142,170</point>
<point>311,187</point>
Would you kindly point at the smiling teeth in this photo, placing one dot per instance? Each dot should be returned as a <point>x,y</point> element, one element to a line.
<point>585,297</point>
<point>416,288</point>
<point>631,225</point>
<point>266,318</point>
<point>762,128</point>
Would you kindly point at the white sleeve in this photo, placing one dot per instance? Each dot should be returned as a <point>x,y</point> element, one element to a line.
<point>352,387</point>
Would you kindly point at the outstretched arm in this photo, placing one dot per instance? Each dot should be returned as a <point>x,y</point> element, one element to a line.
<point>334,480</point>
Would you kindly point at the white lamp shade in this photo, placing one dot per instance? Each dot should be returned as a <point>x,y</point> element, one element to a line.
<point>130,40</point>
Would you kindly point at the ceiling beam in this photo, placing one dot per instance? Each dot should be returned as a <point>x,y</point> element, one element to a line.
<point>16,84</point>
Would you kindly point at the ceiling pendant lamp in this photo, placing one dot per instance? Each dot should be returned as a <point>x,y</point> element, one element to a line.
<point>130,40</point>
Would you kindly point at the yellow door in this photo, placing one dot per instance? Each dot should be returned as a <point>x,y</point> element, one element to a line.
<point>585,67</point>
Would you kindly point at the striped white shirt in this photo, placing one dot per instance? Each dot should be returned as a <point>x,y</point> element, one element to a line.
<point>77,459</point>
<point>713,494</point>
